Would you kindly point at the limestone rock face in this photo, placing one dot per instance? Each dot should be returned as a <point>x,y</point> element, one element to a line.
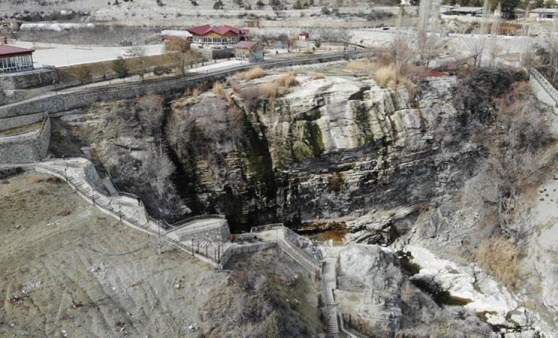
<point>370,267</point>
<point>329,147</point>
<point>376,294</point>
<point>124,144</point>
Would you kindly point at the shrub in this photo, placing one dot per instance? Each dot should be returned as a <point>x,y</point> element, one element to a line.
<point>218,89</point>
<point>218,4</point>
<point>386,76</point>
<point>120,68</point>
<point>269,90</point>
<point>253,73</point>
<point>236,87</point>
<point>82,73</point>
<point>160,70</point>
<point>288,80</point>
<point>500,257</point>
<point>362,66</point>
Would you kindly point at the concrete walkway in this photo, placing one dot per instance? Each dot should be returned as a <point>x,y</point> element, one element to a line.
<point>127,208</point>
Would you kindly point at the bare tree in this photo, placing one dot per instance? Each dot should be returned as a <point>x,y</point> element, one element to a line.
<point>429,47</point>
<point>141,60</point>
<point>150,113</point>
<point>475,46</point>
<point>400,52</point>
<point>161,168</point>
<point>181,54</point>
<point>339,35</point>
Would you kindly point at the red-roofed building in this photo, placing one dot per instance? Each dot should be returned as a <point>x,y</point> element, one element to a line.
<point>248,50</point>
<point>304,36</point>
<point>217,35</point>
<point>15,59</point>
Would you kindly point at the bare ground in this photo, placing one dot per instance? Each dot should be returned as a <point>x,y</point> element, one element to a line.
<point>68,269</point>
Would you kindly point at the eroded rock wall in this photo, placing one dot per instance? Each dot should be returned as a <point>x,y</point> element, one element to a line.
<point>329,147</point>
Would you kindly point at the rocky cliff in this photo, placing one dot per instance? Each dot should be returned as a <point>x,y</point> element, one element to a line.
<point>446,172</point>
<point>328,147</point>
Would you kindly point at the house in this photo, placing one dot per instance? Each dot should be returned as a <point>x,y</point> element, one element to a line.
<point>543,13</point>
<point>252,23</point>
<point>304,36</point>
<point>248,50</point>
<point>176,40</point>
<point>466,11</point>
<point>15,59</point>
<point>170,35</point>
<point>217,35</point>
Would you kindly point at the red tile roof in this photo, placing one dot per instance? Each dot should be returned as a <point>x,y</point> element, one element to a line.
<point>221,30</point>
<point>6,50</point>
<point>245,44</point>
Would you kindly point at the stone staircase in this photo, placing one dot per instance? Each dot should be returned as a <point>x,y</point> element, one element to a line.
<point>329,283</point>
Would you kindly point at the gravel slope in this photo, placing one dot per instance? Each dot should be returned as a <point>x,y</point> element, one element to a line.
<point>68,269</point>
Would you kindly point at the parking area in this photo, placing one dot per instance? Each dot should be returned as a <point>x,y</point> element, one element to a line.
<point>67,55</point>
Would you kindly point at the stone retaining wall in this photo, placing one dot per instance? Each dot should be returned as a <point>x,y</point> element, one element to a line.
<point>87,97</point>
<point>245,248</point>
<point>210,233</point>
<point>30,79</point>
<point>26,148</point>
<point>213,54</point>
<point>19,121</point>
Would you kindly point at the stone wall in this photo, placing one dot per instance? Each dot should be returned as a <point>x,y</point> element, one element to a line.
<point>242,249</point>
<point>213,54</point>
<point>212,230</point>
<point>14,122</point>
<point>87,97</point>
<point>26,148</point>
<point>30,79</point>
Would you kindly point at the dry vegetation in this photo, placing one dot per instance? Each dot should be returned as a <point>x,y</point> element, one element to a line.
<point>270,90</point>
<point>265,295</point>
<point>287,80</point>
<point>500,257</point>
<point>363,66</point>
<point>252,73</point>
<point>499,112</point>
<point>393,66</point>
<point>91,71</point>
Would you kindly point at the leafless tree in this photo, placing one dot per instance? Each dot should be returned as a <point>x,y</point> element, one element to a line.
<point>400,52</point>
<point>181,54</point>
<point>339,35</point>
<point>141,60</point>
<point>429,47</point>
<point>475,46</point>
<point>150,113</point>
<point>161,167</point>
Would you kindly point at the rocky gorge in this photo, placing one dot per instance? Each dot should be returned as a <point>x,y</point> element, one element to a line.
<point>321,149</point>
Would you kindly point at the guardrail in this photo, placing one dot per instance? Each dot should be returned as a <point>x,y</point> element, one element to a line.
<point>545,84</point>
<point>185,221</point>
<point>266,227</point>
